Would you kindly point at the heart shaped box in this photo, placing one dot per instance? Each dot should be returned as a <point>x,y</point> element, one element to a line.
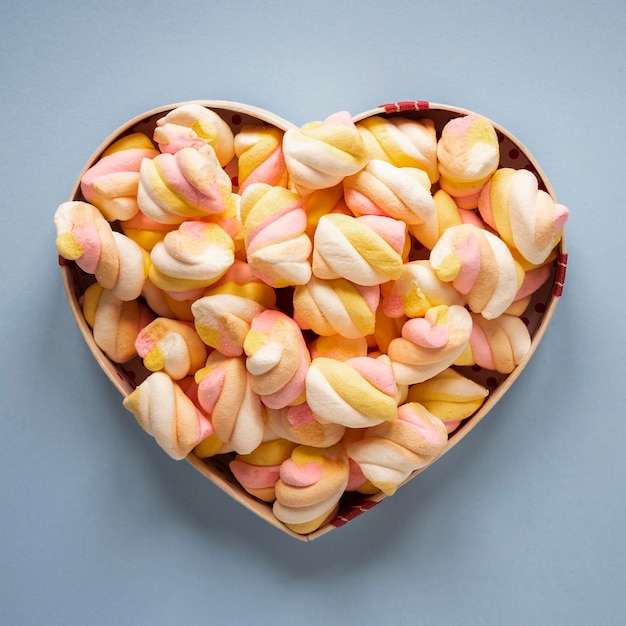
<point>126,377</point>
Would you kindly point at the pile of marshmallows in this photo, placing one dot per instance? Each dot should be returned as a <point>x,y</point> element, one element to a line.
<point>307,325</point>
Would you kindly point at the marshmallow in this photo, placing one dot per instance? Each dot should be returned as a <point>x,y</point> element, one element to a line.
<point>194,125</point>
<point>321,154</point>
<point>387,328</point>
<point>298,423</point>
<point>468,152</point>
<point>133,267</point>
<point>277,246</point>
<point>278,359</point>
<point>447,213</point>
<point>381,188</point>
<point>223,321</point>
<point>240,281</point>
<point>223,315</point>
<point>358,392</point>
<point>450,396</point>
<point>115,323</point>
<point>171,346</point>
<point>389,453</point>
<point>479,265</point>
<point>402,141</point>
<point>534,279</point>
<point>212,446</point>
<point>499,344</point>
<point>321,202</point>
<point>259,471</point>
<point>366,250</point>
<point>259,150</point>
<point>189,184</point>
<point>338,347</point>
<point>337,306</point>
<point>225,393</point>
<point>357,480</point>
<point>111,183</point>
<point>525,217</point>
<point>230,222</point>
<point>416,290</point>
<point>166,413</point>
<point>193,256</point>
<point>84,236</point>
<point>310,486</point>
<point>430,344</point>
<point>164,305</point>
<point>144,231</point>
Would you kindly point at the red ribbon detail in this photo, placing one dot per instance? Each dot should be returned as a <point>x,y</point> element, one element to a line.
<point>561,271</point>
<point>352,511</point>
<point>407,105</point>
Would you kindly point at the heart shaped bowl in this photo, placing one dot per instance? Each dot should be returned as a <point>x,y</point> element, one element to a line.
<point>537,315</point>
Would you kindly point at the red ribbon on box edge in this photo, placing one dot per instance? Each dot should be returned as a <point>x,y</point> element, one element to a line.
<point>407,105</point>
<point>561,271</point>
<point>352,511</point>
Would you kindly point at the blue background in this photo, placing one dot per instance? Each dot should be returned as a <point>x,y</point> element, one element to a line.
<point>522,523</point>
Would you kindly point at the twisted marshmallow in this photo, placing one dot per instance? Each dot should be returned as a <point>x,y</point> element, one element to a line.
<point>194,125</point>
<point>223,315</point>
<point>381,188</point>
<point>430,344</point>
<point>337,306</point>
<point>447,214</point>
<point>358,392</point>
<point>277,246</point>
<point>259,150</point>
<point>171,346</point>
<point>321,154</point>
<point>165,412</point>
<point>223,321</point>
<point>366,250</point>
<point>259,471</point>
<point>84,236</point>
<point>468,152</point>
<point>499,344</point>
<point>450,396</point>
<point>416,290</point>
<point>115,323</point>
<point>225,393</point>
<point>389,453</point>
<point>193,256</point>
<point>189,184</point>
<point>480,266</point>
<point>311,483</point>
<point>525,217</point>
<point>299,424</point>
<point>402,141</point>
<point>111,183</point>
<point>278,359</point>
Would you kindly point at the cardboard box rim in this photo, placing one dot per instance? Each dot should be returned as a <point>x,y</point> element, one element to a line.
<point>216,471</point>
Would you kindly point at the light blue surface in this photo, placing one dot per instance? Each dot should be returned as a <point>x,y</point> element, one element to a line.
<point>523,523</point>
